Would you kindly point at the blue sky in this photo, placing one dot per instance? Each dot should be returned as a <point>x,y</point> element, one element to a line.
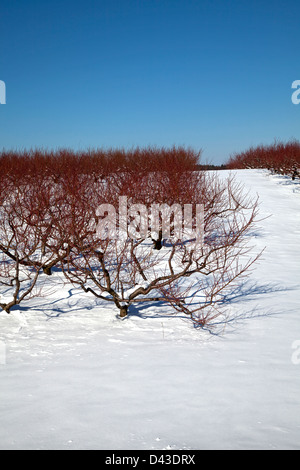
<point>215,75</point>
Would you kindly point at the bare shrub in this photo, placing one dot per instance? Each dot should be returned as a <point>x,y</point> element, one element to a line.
<point>189,276</point>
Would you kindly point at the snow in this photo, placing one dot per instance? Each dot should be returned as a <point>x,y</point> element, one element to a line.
<point>74,376</point>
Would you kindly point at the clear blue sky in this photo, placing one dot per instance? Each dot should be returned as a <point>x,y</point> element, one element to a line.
<point>214,75</point>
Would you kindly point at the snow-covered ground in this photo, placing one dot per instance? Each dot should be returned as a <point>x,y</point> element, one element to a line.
<point>74,376</point>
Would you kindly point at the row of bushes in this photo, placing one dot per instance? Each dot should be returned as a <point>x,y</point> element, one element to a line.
<point>98,162</point>
<point>281,158</point>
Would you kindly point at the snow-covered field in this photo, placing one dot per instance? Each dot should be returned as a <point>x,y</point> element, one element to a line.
<point>74,376</point>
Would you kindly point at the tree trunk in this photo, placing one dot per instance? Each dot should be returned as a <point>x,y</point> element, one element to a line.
<point>158,243</point>
<point>123,311</point>
<point>47,270</point>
